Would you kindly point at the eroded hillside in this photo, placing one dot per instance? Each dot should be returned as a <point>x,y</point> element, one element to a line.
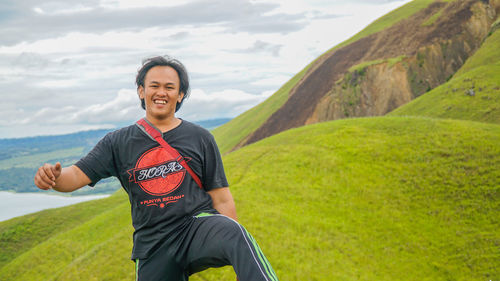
<point>382,71</point>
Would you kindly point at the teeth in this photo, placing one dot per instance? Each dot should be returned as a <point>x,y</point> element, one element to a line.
<point>160,101</point>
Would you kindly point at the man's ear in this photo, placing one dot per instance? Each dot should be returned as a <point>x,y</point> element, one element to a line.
<point>181,97</point>
<point>140,92</point>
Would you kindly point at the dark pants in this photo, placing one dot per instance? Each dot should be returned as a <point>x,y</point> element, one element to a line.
<point>209,240</point>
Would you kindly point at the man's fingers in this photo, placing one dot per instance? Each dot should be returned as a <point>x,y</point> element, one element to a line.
<point>46,175</point>
<point>40,182</point>
<point>47,168</point>
<point>57,170</point>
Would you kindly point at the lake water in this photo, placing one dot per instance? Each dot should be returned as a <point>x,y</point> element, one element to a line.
<point>18,204</point>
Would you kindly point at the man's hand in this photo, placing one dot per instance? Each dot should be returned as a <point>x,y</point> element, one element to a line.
<point>46,176</point>
<point>61,179</point>
<point>223,202</point>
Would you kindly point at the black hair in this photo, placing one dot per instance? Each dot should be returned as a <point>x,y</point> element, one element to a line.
<point>151,62</point>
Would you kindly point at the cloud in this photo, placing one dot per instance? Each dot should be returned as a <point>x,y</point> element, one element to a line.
<point>260,46</point>
<point>40,21</point>
<point>315,14</point>
<point>125,108</point>
<point>227,103</point>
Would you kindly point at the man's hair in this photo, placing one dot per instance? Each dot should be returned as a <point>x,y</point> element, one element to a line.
<point>151,62</point>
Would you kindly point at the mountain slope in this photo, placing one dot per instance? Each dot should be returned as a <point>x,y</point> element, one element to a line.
<point>236,133</point>
<point>231,134</point>
<point>397,58</point>
<point>472,94</point>
<point>365,199</point>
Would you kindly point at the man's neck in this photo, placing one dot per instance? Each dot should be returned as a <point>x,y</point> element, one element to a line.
<point>165,125</point>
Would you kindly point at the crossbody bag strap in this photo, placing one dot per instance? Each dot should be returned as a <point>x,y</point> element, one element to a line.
<point>158,136</point>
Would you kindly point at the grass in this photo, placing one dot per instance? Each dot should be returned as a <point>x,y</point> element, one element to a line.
<point>454,98</point>
<point>391,61</point>
<point>35,160</point>
<point>433,18</point>
<point>232,133</point>
<point>365,64</point>
<point>375,199</point>
<point>388,198</point>
<point>488,54</point>
<point>18,235</point>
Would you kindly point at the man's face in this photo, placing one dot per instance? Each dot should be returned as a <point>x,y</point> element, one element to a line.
<point>161,92</point>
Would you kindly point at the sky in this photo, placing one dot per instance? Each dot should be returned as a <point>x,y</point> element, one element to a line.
<point>68,66</point>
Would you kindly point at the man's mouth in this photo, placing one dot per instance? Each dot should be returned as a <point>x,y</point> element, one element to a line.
<point>160,101</point>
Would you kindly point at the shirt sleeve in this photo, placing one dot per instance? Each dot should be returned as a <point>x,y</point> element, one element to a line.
<point>99,162</point>
<point>213,168</point>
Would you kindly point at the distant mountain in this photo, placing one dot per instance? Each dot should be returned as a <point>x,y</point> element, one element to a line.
<point>21,157</point>
<point>213,123</point>
<point>16,147</point>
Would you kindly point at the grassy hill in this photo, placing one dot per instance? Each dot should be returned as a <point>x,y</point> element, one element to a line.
<point>388,198</point>
<point>472,94</point>
<point>237,130</point>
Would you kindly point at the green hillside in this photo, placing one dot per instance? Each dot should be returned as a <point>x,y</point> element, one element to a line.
<point>388,198</point>
<point>410,196</point>
<point>232,133</point>
<point>472,94</point>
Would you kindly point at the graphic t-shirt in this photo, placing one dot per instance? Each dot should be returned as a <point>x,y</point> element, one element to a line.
<point>161,192</point>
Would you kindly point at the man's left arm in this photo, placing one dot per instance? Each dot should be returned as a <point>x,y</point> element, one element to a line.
<point>223,202</point>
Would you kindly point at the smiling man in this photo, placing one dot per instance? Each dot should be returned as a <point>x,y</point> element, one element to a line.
<point>182,209</point>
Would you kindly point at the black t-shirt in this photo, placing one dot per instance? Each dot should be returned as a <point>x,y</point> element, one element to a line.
<point>161,192</point>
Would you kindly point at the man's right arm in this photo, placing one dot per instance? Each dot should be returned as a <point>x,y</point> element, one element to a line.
<point>66,179</point>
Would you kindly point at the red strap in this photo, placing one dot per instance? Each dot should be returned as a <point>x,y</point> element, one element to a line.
<point>158,136</point>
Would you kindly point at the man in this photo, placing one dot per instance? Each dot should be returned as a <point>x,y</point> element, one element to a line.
<point>182,210</point>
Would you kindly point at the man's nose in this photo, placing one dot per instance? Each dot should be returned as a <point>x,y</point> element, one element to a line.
<point>162,91</point>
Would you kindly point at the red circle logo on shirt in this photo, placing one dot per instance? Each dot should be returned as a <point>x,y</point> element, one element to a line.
<point>157,172</point>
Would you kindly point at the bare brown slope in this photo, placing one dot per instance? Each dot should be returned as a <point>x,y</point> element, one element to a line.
<point>329,91</point>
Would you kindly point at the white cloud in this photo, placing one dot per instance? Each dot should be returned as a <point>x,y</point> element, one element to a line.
<point>54,84</point>
<point>124,107</point>
<point>56,9</point>
<point>130,4</point>
<point>228,103</point>
<point>273,80</point>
